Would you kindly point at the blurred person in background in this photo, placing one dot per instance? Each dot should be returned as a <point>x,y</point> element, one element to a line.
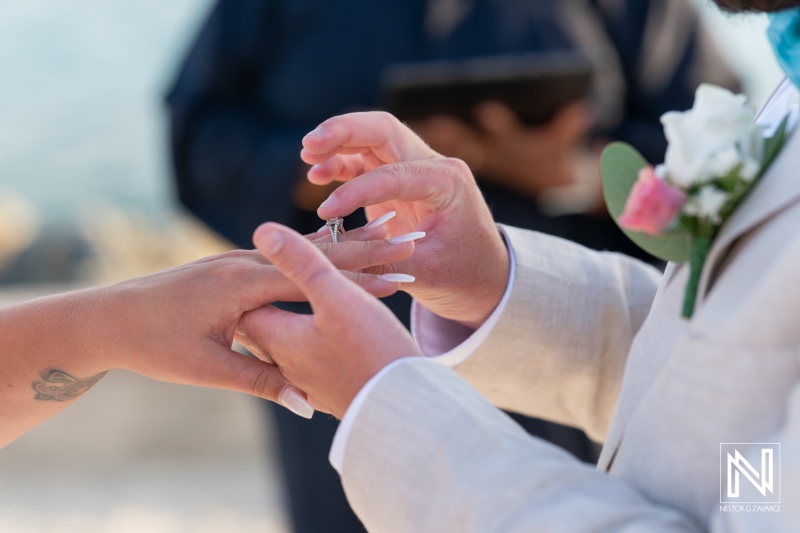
<point>263,73</point>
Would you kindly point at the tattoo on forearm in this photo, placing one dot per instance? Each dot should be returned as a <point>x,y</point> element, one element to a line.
<point>59,386</point>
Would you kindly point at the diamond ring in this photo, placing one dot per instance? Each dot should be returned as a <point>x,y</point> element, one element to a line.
<point>336,225</point>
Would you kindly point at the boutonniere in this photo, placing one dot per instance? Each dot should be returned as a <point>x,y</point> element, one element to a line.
<point>674,211</point>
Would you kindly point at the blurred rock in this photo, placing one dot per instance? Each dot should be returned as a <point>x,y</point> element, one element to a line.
<point>106,244</point>
<point>57,255</point>
<point>127,243</point>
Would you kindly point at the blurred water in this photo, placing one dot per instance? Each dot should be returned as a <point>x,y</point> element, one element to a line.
<point>81,92</point>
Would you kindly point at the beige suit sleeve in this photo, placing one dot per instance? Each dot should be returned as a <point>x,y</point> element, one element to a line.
<point>560,347</point>
<point>428,453</point>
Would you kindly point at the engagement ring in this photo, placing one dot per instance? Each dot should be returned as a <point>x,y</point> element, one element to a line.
<point>336,225</point>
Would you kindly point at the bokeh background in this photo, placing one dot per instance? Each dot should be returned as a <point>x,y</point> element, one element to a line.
<point>86,198</point>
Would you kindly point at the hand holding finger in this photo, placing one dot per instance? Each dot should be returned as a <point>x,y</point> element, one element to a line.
<point>461,265</point>
<point>329,357</point>
<point>301,263</point>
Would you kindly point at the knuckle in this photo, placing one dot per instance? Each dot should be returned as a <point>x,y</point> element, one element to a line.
<point>456,166</point>
<point>370,253</point>
<point>268,383</point>
<point>310,271</point>
<point>233,269</point>
<point>327,248</point>
<point>317,275</point>
<point>397,173</point>
<point>386,118</point>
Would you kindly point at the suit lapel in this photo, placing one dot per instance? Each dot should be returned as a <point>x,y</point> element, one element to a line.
<point>778,189</point>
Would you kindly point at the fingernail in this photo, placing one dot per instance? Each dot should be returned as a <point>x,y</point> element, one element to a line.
<point>329,202</point>
<point>398,278</point>
<point>272,242</point>
<point>294,401</point>
<point>383,219</point>
<point>408,237</point>
<point>315,133</point>
<point>323,228</point>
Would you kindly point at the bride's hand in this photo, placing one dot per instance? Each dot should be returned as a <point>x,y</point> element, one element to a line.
<point>178,325</point>
<point>334,352</point>
<point>462,263</point>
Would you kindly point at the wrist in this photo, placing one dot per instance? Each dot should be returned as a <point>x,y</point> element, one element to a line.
<point>490,287</point>
<point>94,322</point>
<point>62,332</point>
<point>360,381</point>
<point>356,400</point>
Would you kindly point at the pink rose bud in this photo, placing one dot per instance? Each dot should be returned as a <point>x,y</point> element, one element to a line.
<point>652,204</point>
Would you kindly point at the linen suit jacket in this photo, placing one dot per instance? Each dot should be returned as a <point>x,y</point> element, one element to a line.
<point>596,340</point>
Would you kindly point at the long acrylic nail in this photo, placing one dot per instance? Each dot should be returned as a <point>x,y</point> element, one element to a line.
<point>408,237</point>
<point>294,401</point>
<point>398,278</point>
<point>383,219</point>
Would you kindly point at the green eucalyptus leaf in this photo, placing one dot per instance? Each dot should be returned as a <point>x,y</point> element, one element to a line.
<point>620,165</point>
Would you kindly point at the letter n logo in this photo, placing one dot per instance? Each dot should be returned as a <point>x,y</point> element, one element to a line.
<point>743,479</point>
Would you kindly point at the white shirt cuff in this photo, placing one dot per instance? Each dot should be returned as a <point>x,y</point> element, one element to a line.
<point>336,455</point>
<point>444,341</point>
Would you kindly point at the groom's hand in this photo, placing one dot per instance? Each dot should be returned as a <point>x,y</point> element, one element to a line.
<point>334,352</point>
<point>462,263</point>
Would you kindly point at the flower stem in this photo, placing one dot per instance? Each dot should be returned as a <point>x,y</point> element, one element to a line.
<point>700,246</point>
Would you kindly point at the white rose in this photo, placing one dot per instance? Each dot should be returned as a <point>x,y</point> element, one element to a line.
<point>720,121</point>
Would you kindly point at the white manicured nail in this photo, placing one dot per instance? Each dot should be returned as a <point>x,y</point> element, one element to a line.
<point>408,237</point>
<point>398,278</point>
<point>294,401</point>
<point>383,219</point>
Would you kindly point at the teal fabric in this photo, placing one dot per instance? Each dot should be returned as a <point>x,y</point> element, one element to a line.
<point>784,35</point>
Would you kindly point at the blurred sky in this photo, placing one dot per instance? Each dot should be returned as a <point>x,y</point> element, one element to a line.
<point>82,85</point>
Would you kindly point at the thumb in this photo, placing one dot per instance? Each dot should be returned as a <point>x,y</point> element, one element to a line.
<point>306,266</point>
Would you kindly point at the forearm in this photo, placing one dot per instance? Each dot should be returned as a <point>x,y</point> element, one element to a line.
<point>427,453</point>
<point>50,354</point>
